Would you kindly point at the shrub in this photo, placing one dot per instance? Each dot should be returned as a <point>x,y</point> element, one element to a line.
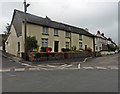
<point>74,48</point>
<point>65,50</point>
<point>89,49</point>
<point>111,47</point>
<point>43,49</point>
<point>31,43</point>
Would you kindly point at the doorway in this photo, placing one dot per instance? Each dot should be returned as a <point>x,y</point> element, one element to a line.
<point>56,45</point>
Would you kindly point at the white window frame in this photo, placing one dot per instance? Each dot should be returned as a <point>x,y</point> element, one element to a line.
<point>80,37</point>
<point>67,34</point>
<point>45,30</point>
<point>44,42</point>
<point>80,45</point>
<point>55,32</point>
<point>67,45</point>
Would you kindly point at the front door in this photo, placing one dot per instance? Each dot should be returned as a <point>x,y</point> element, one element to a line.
<point>56,43</point>
<point>85,47</point>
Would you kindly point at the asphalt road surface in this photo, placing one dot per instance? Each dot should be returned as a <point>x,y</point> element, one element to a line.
<point>110,60</point>
<point>61,81</point>
<point>6,62</point>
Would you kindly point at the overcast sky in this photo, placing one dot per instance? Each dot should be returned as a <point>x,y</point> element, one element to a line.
<point>92,14</point>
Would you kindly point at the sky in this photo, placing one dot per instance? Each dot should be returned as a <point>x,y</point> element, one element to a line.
<point>95,15</point>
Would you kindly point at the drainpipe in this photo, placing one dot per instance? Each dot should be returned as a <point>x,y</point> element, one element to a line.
<point>94,46</point>
<point>70,40</point>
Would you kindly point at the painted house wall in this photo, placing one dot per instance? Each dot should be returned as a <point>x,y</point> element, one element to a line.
<point>87,41</point>
<point>36,30</point>
<point>98,44</point>
<point>75,40</point>
<point>12,41</point>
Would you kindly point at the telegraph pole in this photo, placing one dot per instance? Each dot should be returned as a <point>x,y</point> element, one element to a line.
<point>25,26</point>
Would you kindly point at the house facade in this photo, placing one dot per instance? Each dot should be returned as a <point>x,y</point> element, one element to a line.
<point>48,34</point>
<point>101,42</point>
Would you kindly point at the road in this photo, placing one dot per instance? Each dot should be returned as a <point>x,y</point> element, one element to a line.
<point>6,62</point>
<point>61,81</point>
<point>110,60</point>
<point>106,62</point>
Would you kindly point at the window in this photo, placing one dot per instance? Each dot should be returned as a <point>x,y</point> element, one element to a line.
<point>80,45</point>
<point>67,45</point>
<point>80,37</point>
<point>55,32</point>
<point>67,34</point>
<point>45,30</point>
<point>18,46</point>
<point>96,48</point>
<point>44,42</point>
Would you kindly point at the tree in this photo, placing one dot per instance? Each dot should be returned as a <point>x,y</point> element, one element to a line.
<point>111,47</point>
<point>7,32</point>
<point>31,43</point>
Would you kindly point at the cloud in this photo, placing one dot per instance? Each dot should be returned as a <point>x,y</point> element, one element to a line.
<point>95,15</point>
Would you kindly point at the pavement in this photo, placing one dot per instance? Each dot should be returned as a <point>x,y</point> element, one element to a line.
<point>12,63</point>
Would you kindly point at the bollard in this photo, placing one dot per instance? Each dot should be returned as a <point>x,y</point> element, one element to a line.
<point>79,66</point>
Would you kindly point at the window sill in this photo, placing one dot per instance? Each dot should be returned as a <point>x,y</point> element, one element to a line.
<point>67,37</point>
<point>44,34</point>
<point>56,35</point>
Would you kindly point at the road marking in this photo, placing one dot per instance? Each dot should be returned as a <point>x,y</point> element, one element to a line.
<point>87,67</point>
<point>19,69</point>
<point>0,70</point>
<point>26,64</point>
<point>11,60</point>
<point>5,70</point>
<point>113,67</point>
<point>63,65</point>
<point>41,65</point>
<point>52,66</point>
<point>32,68</point>
<point>46,69</point>
<point>100,67</point>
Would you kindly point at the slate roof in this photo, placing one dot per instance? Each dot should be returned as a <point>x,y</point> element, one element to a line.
<point>18,18</point>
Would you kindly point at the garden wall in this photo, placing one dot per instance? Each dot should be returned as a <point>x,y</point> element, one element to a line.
<point>42,56</point>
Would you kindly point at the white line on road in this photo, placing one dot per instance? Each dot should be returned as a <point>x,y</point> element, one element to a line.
<point>26,64</point>
<point>87,67</point>
<point>101,68</point>
<point>5,70</point>
<point>52,66</point>
<point>113,67</point>
<point>32,68</point>
<point>19,69</point>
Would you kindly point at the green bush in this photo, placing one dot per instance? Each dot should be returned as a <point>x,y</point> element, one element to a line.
<point>65,50</point>
<point>74,48</point>
<point>89,49</point>
<point>43,49</point>
<point>31,43</point>
<point>111,47</point>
